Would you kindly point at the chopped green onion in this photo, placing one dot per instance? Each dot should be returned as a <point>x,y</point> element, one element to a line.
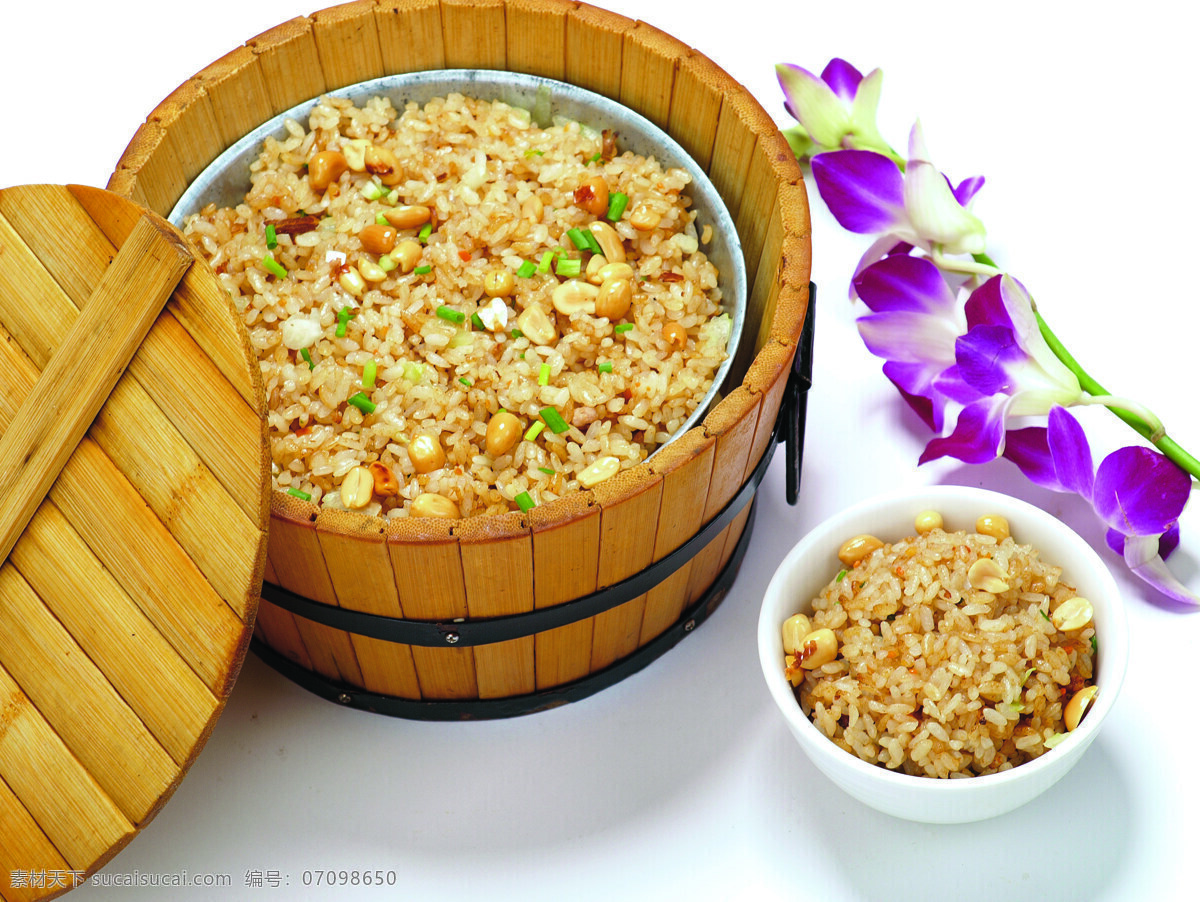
<point>594,157</point>
<point>344,316</point>
<point>568,267</point>
<point>273,267</point>
<point>477,322</point>
<point>426,231</point>
<point>554,420</point>
<point>372,191</point>
<point>544,374</point>
<point>413,371</point>
<point>1054,740</point>
<point>387,262</point>
<point>380,219</point>
<point>617,202</point>
<point>623,328</point>
<point>592,244</point>
<point>393,196</point>
<point>1045,616</point>
<point>451,315</point>
<point>423,270</point>
<point>605,367</point>
<point>546,470</point>
<point>524,502</point>
<point>272,241</point>
<point>369,370</point>
<point>577,239</point>
<point>465,381</point>
<point>362,402</point>
<point>307,357</point>
<point>534,153</point>
<point>841,576</point>
<point>526,269</point>
<point>534,431</point>
<point>544,264</point>
<point>1094,644</point>
<point>516,333</point>
<point>296,493</point>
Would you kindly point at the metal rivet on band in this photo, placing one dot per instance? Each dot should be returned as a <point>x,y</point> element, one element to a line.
<point>451,638</point>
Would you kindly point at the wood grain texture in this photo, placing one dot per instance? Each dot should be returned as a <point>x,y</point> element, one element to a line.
<point>473,34</point>
<point>595,49</point>
<point>536,34</point>
<point>348,44</point>
<point>410,35</point>
<point>290,64</point>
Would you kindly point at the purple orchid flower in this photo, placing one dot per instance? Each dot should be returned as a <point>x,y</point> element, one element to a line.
<point>1137,492</point>
<point>1003,368</point>
<point>914,325</point>
<point>868,193</point>
<point>833,111</point>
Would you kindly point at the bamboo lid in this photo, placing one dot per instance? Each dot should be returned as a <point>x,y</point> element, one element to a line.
<point>133,517</point>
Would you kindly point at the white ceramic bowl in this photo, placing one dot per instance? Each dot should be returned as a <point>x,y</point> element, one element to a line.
<point>813,562</point>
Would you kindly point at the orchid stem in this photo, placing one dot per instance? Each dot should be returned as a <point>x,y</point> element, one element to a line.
<point>1156,436</point>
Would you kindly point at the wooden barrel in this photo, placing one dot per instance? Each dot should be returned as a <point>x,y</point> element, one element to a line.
<point>479,569</point>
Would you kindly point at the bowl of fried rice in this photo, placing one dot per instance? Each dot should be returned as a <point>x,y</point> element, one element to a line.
<point>943,654</point>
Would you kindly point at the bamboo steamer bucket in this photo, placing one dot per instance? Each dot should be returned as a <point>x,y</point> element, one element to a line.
<point>424,617</point>
<point>132,532</point>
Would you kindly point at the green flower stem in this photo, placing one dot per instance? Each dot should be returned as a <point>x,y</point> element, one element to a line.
<point>1167,445</point>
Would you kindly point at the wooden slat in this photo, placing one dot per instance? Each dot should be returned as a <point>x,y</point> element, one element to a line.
<point>136,548</point>
<point>238,94</point>
<point>160,177</point>
<point>736,137</point>
<point>410,35</point>
<point>429,578</point>
<point>595,48</point>
<point>61,796</point>
<point>566,550</point>
<point>278,629</point>
<point>295,555</point>
<point>497,561</point>
<point>203,308</point>
<point>193,132</point>
<point>130,419</point>
<point>114,632</point>
<point>758,207</point>
<point>768,377</point>
<point>348,44</point>
<point>686,468</point>
<point>355,552</point>
<point>24,847</point>
<point>629,504</point>
<point>291,67</point>
<point>41,436</point>
<point>536,36</point>
<point>650,59</point>
<point>732,424</point>
<point>700,87</point>
<point>473,34</point>
<point>79,703</point>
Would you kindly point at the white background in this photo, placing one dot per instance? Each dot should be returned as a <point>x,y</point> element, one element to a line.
<point>681,781</point>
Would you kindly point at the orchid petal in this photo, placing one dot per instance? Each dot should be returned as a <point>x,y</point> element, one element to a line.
<point>814,103</point>
<point>1071,453</point>
<point>842,78</point>
<point>937,215</point>
<point>881,248</point>
<point>1167,542</point>
<point>1143,558</point>
<point>864,190</point>
<point>978,435</point>
<point>906,283</point>
<point>1019,306</point>
<point>909,337</point>
<point>1029,449</point>
<point>863,110</point>
<point>967,189</point>
<point>950,382</point>
<point>910,381</point>
<point>1139,491</point>
<point>985,354</point>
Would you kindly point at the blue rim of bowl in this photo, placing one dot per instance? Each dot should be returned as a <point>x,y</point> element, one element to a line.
<point>226,180</point>
<point>781,692</point>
